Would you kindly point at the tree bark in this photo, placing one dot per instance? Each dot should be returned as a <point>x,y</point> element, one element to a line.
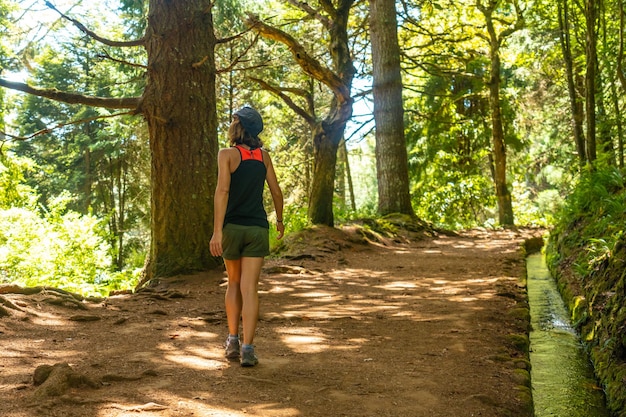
<point>348,170</point>
<point>325,145</point>
<point>179,106</point>
<point>576,106</point>
<point>327,133</point>
<point>391,154</point>
<point>503,195</point>
<point>590,79</point>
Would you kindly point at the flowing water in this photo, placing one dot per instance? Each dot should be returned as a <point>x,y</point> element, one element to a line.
<point>562,376</point>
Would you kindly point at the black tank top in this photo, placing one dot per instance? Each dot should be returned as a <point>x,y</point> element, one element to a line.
<point>245,198</point>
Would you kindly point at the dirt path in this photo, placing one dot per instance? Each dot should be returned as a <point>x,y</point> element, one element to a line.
<point>429,328</point>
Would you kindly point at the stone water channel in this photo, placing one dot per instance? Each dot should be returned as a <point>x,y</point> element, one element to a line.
<point>562,376</point>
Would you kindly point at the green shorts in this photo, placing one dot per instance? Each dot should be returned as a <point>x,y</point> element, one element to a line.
<point>245,241</point>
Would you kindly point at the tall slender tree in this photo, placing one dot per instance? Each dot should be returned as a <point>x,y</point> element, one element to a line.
<point>391,153</point>
<point>590,78</point>
<point>572,74</point>
<point>327,132</point>
<point>494,38</point>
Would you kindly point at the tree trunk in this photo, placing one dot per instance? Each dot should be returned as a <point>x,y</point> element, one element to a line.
<point>325,147</point>
<point>604,122</point>
<point>576,106</point>
<point>590,79</point>
<point>346,163</point>
<point>326,133</point>
<point>391,154</point>
<point>179,106</point>
<point>617,109</point>
<point>503,195</point>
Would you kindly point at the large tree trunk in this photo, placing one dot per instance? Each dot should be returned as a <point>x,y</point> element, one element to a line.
<point>503,195</point>
<point>179,106</point>
<point>391,155</point>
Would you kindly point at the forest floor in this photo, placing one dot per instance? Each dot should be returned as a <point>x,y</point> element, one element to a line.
<point>428,326</point>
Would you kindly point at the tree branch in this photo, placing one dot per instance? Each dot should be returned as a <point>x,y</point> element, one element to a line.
<point>60,125</point>
<point>131,103</point>
<point>93,35</point>
<point>279,92</point>
<point>306,7</point>
<point>106,55</point>
<point>232,38</point>
<point>239,57</point>
<point>327,5</point>
<point>306,62</point>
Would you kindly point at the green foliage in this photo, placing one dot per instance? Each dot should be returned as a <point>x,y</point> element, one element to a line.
<point>13,191</point>
<point>62,248</point>
<point>593,217</point>
<point>455,201</point>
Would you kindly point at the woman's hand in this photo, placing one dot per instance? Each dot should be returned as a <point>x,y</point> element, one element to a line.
<point>216,244</point>
<point>280,227</point>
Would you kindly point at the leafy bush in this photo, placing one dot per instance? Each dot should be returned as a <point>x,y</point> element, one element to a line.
<point>64,250</point>
<point>594,216</point>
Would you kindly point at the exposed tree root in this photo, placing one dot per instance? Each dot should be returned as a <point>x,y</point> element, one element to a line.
<point>55,380</point>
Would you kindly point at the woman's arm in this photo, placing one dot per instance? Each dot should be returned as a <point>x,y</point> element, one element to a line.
<point>220,201</point>
<point>277,194</point>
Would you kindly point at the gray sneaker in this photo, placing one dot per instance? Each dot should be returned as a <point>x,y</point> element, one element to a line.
<point>232,348</point>
<point>248,358</point>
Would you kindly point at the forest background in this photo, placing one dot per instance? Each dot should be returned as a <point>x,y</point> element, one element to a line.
<point>507,107</point>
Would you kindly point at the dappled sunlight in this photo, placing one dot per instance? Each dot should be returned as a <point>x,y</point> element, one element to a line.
<point>464,299</point>
<point>354,332</point>
<point>448,290</point>
<point>400,251</point>
<point>42,346</point>
<point>202,404</point>
<point>317,294</point>
<point>277,289</point>
<point>184,333</point>
<point>371,293</point>
<point>432,251</point>
<point>305,344</point>
<point>50,320</point>
<point>303,339</point>
<point>397,285</point>
<point>351,273</point>
<point>272,409</point>
<point>196,362</point>
<point>206,358</point>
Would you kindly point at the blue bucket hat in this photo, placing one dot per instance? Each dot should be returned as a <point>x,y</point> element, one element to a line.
<point>250,120</point>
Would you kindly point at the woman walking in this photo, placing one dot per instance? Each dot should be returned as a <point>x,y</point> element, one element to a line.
<point>241,228</point>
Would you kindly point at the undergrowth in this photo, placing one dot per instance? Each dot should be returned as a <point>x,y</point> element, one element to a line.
<point>586,252</point>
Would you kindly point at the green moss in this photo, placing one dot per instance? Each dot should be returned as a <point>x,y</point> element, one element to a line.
<point>520,313</point>
<point>522,377</point>
<point>586,253</point>
<point>522,364</point>
<point>519,341</point>
<point>525,397</point>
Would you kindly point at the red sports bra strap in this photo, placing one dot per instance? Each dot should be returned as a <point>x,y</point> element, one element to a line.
<point>254,154</point>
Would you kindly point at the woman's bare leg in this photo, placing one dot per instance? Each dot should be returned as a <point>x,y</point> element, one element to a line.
<point>249,287</point>
<point>232,299</point>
